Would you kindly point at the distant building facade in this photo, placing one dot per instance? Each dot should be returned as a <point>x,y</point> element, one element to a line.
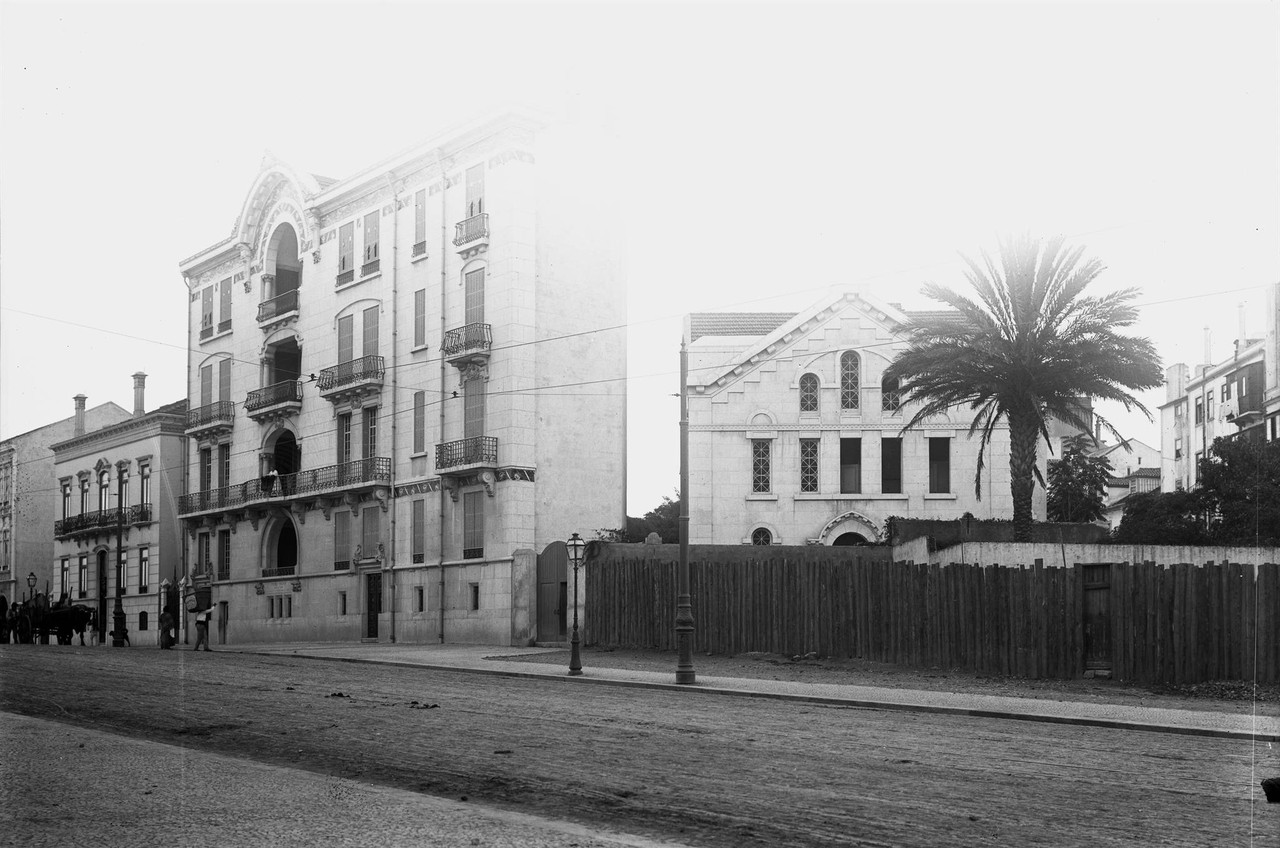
<point>117,529</point>
<point>407,384</point>
<point>29,497</point>
<point>795,436</point>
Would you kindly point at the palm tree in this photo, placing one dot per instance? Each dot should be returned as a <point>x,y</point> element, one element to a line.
<point>1026,351</point>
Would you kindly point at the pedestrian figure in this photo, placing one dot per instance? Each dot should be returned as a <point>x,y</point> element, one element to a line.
<point>166,629</point>
<point>202,629</point>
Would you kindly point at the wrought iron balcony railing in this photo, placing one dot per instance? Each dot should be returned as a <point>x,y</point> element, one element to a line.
<point>290,391</point>
<point>467,339</point>
<point>102,520</point>
<point>472,229</point>
<point>213,413</point>
<point>206,331</point>
<point>358,472</point>
<point>281,304</point>
<point>370,267</point>
<point>281,571</point>
<point>477,450</point>
<point>366,368</point>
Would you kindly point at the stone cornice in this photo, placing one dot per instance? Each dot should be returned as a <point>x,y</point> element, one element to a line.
<point>152,424</point>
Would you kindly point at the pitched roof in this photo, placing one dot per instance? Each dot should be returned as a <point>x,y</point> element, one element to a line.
<point>736,323</point>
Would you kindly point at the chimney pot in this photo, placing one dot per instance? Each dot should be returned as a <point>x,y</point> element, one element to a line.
<point>139,387</point>
<point>80,399</point>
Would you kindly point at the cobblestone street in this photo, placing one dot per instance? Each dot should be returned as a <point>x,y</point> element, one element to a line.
<point>703,770</point>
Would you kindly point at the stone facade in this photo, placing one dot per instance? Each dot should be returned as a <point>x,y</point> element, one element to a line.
<point>407,382</point>
<point>144,457</point>
<point>794,440</point>
<point>29,498</point>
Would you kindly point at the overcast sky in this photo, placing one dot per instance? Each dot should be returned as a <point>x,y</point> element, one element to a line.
<point>769,153</point>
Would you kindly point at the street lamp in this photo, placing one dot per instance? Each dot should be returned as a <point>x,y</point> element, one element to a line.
<point>31,585</point>
<point>575,546</point>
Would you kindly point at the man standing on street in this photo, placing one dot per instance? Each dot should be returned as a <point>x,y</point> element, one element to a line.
<point>202,629</point>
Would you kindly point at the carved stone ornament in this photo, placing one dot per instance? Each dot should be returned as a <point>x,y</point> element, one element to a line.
<point>489,481</point>
<point>259,589</point>
<point>473,371</point>
<point>296,585</point>
<point>246,253</point>
<point>315,257</point>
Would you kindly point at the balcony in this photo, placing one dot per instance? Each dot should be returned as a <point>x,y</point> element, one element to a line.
<point>467,455</point>
<point>206,330</point>
<point>467,344</point>
<point>102,521</point>
<point>278,310</point>
<point>371,267</point>
<point>359,474</point>
<point>472,235</point>
<point>274,402</point>
<point>212,420</point>
<point>352,380</point>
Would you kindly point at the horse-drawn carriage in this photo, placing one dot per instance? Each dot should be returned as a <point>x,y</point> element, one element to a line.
<point>34,619</point>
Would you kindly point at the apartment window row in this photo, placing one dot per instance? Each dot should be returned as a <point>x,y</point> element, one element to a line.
<point>279,606</point>
<point>142,586</point>
<point>890,396</point>
<point>850,469</point>
<point>370,226</point>
<point>368,434</point>
<point>215,323</point>
<point>105,490</point>
<point>351,542</point>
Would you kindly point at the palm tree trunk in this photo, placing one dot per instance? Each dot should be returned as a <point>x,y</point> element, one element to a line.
<point>1022,463</point>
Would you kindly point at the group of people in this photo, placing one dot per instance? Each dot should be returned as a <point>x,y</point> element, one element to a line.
<point>16,623</point>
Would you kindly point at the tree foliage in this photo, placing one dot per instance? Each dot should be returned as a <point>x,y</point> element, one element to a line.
<point>1026,350</point>
<point>663,519</point>
<point>1078,483</point>
<point>1162,518</point>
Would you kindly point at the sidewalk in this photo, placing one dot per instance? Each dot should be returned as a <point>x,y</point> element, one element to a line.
<point>489,660</point>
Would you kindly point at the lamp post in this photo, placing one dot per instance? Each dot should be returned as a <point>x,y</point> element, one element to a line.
<point>117,613</point>
<point>575,545</point>
<point>31,585</point>
<point>684,604</point>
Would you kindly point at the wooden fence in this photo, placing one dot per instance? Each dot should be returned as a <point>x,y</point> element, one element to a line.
<point>1182,624</point>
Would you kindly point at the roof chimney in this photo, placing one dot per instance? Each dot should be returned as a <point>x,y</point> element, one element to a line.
<point>80,399</point>
<point>139,386</point>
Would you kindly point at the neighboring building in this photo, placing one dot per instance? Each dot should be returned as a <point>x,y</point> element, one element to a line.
<point>1222,400</point>
<point>405,384</point>
<point>29,497</point>
<point>795,438</point>
<point>117,527</point>
<point>1127,457</point>
<point>1119,489</point>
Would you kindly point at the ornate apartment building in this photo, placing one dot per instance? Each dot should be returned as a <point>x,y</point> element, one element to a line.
<point>795,437</point>
<point>117,530</point>
<point>405,385</point>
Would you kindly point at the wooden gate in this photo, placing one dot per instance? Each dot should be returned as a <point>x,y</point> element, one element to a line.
<point>373,608</point>
<point>1097,616</point>
<point>553,593</point>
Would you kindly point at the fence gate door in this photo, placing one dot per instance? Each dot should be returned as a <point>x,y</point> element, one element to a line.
<point>1097,617</point>
<point>374,608</point>
<point>553,593</point>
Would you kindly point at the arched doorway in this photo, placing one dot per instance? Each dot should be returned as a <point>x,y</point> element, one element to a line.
<point>849,540</point>
<point>282,260</point>
<point>286,549</point>
<point>286,456</point>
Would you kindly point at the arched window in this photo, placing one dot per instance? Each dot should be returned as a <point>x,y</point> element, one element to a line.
<point>142,620</point>
<point>890,396</point>
<point>761,536</point>
<point>849,384</point>
<point>809,393</point>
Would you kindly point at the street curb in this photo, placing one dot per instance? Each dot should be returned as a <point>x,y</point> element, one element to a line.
<point>1078,721</point>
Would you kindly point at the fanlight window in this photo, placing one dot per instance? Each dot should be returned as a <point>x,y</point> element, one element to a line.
<point>849,383</point>
<point>809,393</point>
<point>761,536</point>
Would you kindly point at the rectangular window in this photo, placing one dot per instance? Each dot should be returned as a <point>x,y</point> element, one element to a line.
<point>473,408</point>
<point>66,576</point>
<point>206,312</point>
<point>420,318</point>
<point>224,554</point>
<point>206,385</point>
<point>418,531</point>
<point>1226,391</point>
<point>371,532</point>
<point>809,465</point>
<point>342,603</point>
<point>419,601</point>
<point>370,432</point>
<point>419,422</point>
<point>473,296</point>
<point>83,584</point>
<point>144,569</point>
<point>84,495</point>
<point>224,465</point>
<point>346,252</point>
<point>122,564</point>
<point>1180,410</point>
<point>1199,410</point>
<point>66,500</point>
<point>224,305</point>
<point>851,466</point>
<point>420,222</point>
<point>370,241</point>
<point>369,339</point>
<point>224,380</point>
<point>204,558</point>
<point>346,338</point>
<point>891,466</point>
<point>475,190</point>
<point>940,465</point>
<point>144,483</point>
<point>341,541</point>
<point>1177,448</point>
<point>1195,470</point>
<point>1208,405</point>
<point>344,437</point>
<point>473,525</point>
<point>475,596</point>
<point>761,470</point>
<point>206,469</point>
